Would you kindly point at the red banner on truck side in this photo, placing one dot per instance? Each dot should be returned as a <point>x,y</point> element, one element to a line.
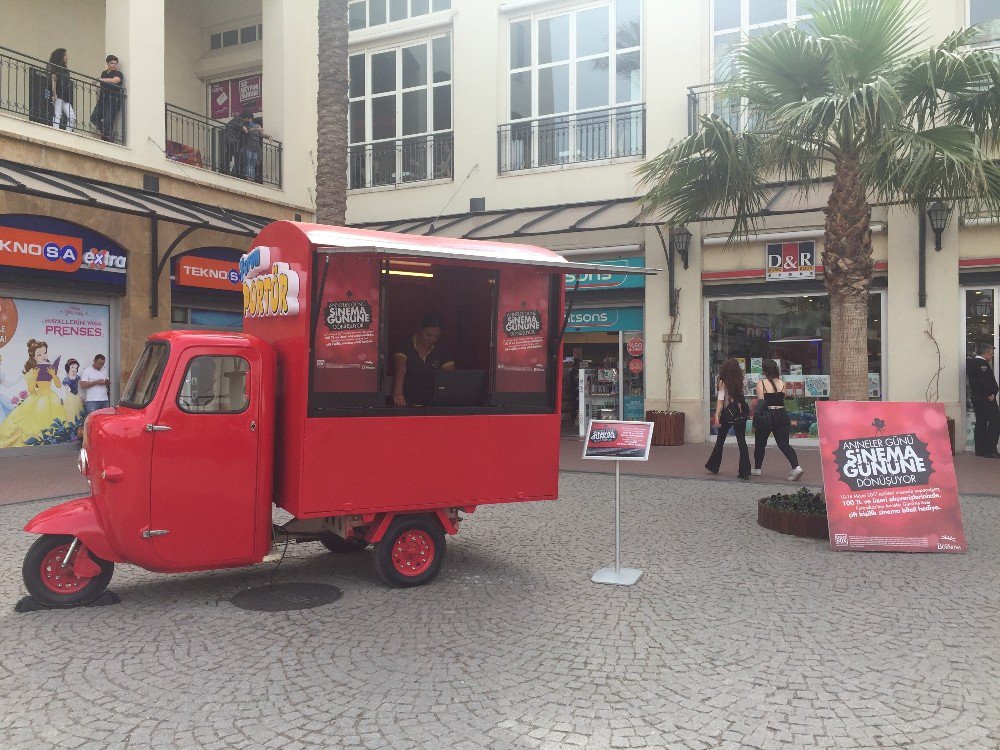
<point>616,440</point>
<point>522,331</point>
<point>347,335</point>
<point>889,478</point>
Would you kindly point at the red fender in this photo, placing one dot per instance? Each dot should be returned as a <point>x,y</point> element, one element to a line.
<point>76,518</point>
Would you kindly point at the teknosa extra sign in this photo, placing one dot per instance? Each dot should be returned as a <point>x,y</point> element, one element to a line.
<point>791,260</point>
<point>889,477</point>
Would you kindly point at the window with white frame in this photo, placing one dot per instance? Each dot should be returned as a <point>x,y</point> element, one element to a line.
<point>364,13</point>
<point>986,15</point>
<point>400,113</point>
<point>574,85</point>
<point>733,21</point>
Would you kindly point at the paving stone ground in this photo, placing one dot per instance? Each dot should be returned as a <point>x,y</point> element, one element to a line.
<point>736,637</point>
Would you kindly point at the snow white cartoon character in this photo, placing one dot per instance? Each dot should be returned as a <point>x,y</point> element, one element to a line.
<point>42,407</point>
<point>71,398</point>
<point>10,394</point>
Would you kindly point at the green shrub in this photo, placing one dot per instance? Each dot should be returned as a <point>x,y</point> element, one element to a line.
<point>802,501</point>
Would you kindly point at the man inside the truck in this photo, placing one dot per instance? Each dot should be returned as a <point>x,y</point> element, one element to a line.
<point>417,359</point>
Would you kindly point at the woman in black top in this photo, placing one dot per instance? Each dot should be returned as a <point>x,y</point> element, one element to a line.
<point>771,392</point>
<point>61,87</point>
<point>417,359</point>
<point>731,403</point>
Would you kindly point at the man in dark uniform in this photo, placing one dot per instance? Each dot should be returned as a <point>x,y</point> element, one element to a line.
<point>417,359</point>
<point>983,393</point>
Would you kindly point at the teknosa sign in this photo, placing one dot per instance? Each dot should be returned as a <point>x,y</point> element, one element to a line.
<point>791,260</point>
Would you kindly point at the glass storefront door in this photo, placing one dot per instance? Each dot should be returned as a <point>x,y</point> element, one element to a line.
<point>794,330</point>
<point>982,326</point>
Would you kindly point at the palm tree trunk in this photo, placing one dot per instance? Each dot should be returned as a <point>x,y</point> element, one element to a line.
<point>331,112</point>
<point>848,268</point>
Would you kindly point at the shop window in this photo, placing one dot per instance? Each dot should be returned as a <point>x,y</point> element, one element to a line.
<point>795,332</point>
<point>214,385</point>
<point>495,338</point>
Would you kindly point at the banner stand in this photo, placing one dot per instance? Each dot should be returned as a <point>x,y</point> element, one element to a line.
<point>617,575</point>
<point>618,440</point>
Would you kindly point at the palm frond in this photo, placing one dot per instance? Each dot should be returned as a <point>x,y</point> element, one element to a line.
<point>714,171</point>
<point>866,38</point>
<point>918,166</point>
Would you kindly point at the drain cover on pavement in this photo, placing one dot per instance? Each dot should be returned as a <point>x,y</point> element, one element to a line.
<point>282,597</point>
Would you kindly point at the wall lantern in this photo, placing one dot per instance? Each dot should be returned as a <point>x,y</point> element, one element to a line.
<point>680,243</point>
<point>938,214</point>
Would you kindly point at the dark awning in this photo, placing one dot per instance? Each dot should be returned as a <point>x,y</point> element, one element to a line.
<point>43,183</point>
<point>522,223</point>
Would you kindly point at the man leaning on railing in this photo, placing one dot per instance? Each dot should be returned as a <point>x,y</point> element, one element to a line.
<point>109,103</point>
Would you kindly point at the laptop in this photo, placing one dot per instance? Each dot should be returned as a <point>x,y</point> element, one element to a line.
<point>458,387</point>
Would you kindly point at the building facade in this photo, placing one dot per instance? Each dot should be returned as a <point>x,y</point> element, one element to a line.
<point>125,212</point>
<point>525,121</point>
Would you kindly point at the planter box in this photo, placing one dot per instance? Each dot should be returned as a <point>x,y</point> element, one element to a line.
<point>668,427</point>
<point>807,525</point>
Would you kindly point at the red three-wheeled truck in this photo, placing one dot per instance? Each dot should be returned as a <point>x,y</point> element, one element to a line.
<point>300,411</point>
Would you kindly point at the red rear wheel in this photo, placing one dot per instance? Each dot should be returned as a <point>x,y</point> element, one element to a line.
<point>411,552</point>
<point>54,581</point>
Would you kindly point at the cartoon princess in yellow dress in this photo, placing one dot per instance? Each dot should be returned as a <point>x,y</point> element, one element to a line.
<point>42,407</point>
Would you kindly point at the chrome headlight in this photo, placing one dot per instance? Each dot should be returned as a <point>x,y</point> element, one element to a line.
<point>82,462</point>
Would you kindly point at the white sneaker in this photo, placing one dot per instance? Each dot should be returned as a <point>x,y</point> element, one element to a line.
<point>797,472</point>
<point>755,472</point>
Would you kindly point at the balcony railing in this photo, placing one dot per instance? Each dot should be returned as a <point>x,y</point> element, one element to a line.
<point>706,100</point>
<point>570,139</point>
<point>200,141</point>
<point>26,90</point>
<point>405,160</point>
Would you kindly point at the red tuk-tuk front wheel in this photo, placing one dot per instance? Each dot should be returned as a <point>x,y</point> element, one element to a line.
<point>411,552</point>
<point>50,573</point>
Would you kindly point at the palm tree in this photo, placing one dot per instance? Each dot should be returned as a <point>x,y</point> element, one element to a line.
<point>331,113</point>
<point>854,104</point>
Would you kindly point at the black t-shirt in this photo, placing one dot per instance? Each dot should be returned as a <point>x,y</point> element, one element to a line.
<point>63,83</point>
<point>112,88</point>
<point>982,380</point>
<point>418,387</point>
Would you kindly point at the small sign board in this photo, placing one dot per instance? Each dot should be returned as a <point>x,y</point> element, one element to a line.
<point>791,260</point>
<point>616,440</point>
<point>889,477</point>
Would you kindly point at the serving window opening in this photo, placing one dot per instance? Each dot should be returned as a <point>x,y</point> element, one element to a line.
<point>408,336</point>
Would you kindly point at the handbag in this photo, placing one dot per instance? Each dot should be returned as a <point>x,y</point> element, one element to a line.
<point>736,411</point>
<point>762,417</point>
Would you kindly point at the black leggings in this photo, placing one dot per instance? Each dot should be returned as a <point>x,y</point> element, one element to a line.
<point>781,427</point>
<point>715,460</point>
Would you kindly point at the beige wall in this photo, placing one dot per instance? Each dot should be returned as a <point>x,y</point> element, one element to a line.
<point>35,28</point>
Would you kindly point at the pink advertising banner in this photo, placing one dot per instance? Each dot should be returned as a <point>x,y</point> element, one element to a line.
<point>889,477</point>
<point>229,98</point>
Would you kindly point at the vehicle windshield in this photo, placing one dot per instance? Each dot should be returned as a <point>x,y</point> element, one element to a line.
<point>146,377</point>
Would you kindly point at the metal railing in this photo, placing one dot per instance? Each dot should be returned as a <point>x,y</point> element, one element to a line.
<point>706,100</point>
<point>90,108</point>
<point>570,139</point>
<point>202,142</point>
<point>403,160</point>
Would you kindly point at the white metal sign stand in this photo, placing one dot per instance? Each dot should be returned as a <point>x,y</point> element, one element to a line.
<point>618,440</point>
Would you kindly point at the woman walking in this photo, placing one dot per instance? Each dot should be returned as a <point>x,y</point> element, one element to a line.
<point>62,89</point>
<point>731,410</point>
<point>770,417</point>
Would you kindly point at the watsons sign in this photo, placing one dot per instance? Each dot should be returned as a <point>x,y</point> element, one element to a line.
<point>43,246</point>
<point>269,289</point>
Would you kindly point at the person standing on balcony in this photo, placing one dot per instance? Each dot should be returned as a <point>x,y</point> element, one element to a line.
<point>61,86</point>
<point>253,149</point>
<point>233,137</point>
<point>110,102</point>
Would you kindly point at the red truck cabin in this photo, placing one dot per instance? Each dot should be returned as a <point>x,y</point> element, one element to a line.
<point>337,304</point>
